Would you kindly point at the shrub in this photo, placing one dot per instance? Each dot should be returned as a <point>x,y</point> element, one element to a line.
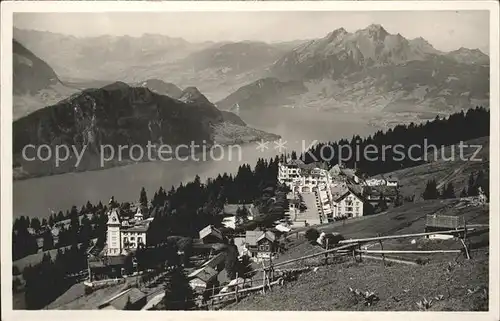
<point>312,235</point>
<point>334,239</point>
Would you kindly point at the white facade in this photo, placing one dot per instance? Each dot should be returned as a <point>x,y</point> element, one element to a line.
<point>301,180</point>
<point>330,188</point>
<point>113,234</point>
<point>123,236</point>
<point>392,183</point>
<point>133,237</point>
<point>375,182</point>
<point>349,206</point>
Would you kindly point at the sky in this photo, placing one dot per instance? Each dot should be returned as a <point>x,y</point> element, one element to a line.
<point>445,30</point>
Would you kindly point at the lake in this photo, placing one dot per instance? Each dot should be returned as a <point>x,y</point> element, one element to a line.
<point>298,127</point>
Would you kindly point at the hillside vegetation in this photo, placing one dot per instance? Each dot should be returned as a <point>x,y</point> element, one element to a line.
<point>457,283</point>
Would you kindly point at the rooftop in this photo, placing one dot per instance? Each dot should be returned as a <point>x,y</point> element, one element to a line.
<point>210,230</point>
<point>205,274</point>
<point>252,236</point>
<point>119,302</point>
<point>267,235</point>
<point>143,228</point>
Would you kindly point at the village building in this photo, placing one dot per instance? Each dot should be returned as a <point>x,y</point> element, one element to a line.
<point>211,234</point>
<point>216,262</point>
<point>349,205</point>
<point>381,181</point>
<point>375,182</point>
<point>302,177</point>
<point>266,245</point>
<point>260,244</point>
<point>102,266</point>
<point>122,238</point>
<point>392,182</point>
<point>202,279</point>
<point>125,236</point>
<point>135,299</point>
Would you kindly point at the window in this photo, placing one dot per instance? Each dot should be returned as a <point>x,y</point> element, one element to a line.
<point>349,209</point>
<point>139,240</point>
<point>132,238</point>
<point>357,209</point>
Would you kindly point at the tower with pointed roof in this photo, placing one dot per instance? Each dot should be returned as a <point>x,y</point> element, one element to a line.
<point>138,215</point>
<point>113,234</point>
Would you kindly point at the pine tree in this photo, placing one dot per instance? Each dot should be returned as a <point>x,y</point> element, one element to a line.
<point>368,209</point>
<point>143,198</point>
<point>481,182</point>
<point>449,192</point>
<point>472,188</point>
<point>48,241</point>
<point>442,194</point>
<point>382,203</point>
<point>128,305</point>
<point>178,292</point>
<point>431,191</point>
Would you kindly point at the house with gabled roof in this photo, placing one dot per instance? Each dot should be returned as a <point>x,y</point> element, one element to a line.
<point>261,244</point>
<point>201,279</point>
<point>210,234</point>
<point>133,297</point>
<point>349,204</point>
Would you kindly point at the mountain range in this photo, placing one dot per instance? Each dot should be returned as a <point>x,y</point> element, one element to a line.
<point>369,70</point>
<point>117,114</point>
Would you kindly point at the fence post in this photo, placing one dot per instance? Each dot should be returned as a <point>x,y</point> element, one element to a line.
<point>326,254</point>
<point>263,278</point>
<point>237,286</point>
<point>464,241</point>
<point>382,248</point>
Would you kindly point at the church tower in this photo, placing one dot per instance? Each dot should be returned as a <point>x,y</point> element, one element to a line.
<point>113,234</point>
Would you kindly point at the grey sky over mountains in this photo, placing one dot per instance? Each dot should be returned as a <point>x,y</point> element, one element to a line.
<point>445,30</point>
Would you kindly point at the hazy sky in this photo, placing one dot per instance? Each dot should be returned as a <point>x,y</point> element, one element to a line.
<point>446,30</point>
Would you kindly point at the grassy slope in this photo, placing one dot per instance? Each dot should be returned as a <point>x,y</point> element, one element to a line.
<point>328,288</point>
<point>414,179</point>
<point>398,286</point>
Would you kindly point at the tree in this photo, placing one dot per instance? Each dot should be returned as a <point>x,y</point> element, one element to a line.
<point>449,192</point>
<point>128,305</point>
<point>244,268</point>
<point>231,260</point>
<point>241,216</point>
<point>382,203</point>
<point>368,209</point>
<point>35,224</point>
<point>482,182</point>
<point>464,192</point>
<point>312,235</point>
<point>443,192</point>
<point>431,191</point>
<point>48,241</point>
<point>143,198</point>
<point>178,292</point>
<point>472,188</point>
<point>399,200</point>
